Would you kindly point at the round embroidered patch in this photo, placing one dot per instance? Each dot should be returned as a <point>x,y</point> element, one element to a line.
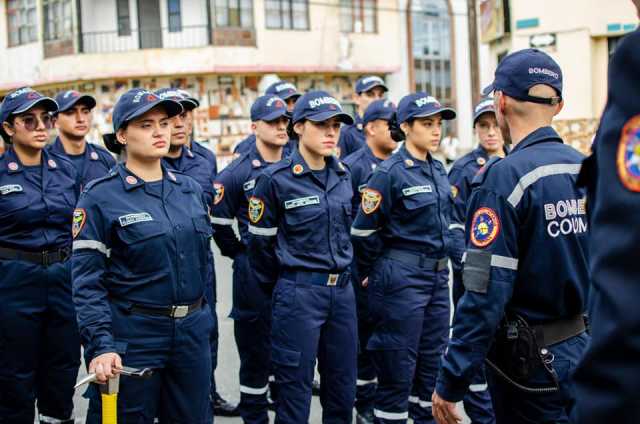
<point>255,163</point>
<point>297,169</point>
<point>94,156</point>
<point>79,218</point>
<point>52,163</point>
<point>485,227</point>
<point>454,191</point>
<point>219,193</point>
<point>408,162</point>
<point>628,158</point>
<point>131,179</point>
<point>371,200</point>
<point>13,166</point>
<point>256,209</point>
<point>481,161</point>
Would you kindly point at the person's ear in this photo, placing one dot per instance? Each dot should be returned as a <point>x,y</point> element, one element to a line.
<point>559,107</point>
<point>8,128</point>
<point>298,127</point>
<point>121,136</point>
<point>254,127</point>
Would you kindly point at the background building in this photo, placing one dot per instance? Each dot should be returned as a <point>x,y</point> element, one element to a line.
<point>580,34</point>
<point>227,51</point>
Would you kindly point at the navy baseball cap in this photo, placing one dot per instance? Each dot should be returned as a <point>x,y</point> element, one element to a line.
<point>284,90</point>
<point>520,71</point>
<point>189,97</point>
<point>137,102</point>
<point>176,95</point>
<point>485,105</point>
<point>421,105</point>
<point>268,108</point>
<point>380,109</point>
<point>318,106</point>
<point>368,82</point>
<point>68,99</point>
<point>20,101</point>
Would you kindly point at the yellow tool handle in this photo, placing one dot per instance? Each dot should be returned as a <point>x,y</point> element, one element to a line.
<point>109,408</point>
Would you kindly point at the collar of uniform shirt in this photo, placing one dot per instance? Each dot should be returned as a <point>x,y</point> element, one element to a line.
<point>537,136</point>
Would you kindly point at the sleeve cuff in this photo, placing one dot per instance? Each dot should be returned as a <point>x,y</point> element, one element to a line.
<point>450,389</point>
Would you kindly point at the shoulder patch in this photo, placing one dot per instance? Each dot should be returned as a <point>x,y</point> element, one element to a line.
<point>79,218</point>
<point>371,200</point>
<point>485,227</point>
<point>219,193</point>
<point>255,209</point>
<point>628,157</point>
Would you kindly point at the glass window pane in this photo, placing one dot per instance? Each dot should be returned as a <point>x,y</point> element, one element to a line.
<point>246,14</point>
<point>369,14</point>
<point>346,15</point>
<point>222,13</point>
<point>286,14</point>
<point>273,14</point>
<point>300,14</point>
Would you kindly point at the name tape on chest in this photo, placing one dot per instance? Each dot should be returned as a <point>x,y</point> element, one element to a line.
<point>249,185</point>
<point>10,188</point>
<point>133,218</point>
<point>410,191</point>
<point>301,201</point>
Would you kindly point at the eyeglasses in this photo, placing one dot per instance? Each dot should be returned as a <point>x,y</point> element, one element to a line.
<point>30,122</point>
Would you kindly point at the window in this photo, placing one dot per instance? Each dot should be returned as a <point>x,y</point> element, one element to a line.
<point>58,19</point>
<point>431,48</point>
<point>175,17</point>
<point>358,16</point>
<point>124,18</point>
<point>234,13</point>
<point>287,14</point>
<point>22,27</point>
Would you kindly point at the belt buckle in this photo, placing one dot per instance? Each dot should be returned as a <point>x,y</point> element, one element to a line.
<point>332,280</point>
<point>179,311</point>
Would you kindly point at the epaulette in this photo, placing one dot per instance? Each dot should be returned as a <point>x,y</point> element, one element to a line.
<point>236,162</point>
<point>278,166</point>
<point>110,175</point>
<point>465,160</point>
<point>389,163</point>
<point>484,171</point>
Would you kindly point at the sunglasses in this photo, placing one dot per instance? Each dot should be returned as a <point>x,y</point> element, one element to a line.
<point>30,122</point>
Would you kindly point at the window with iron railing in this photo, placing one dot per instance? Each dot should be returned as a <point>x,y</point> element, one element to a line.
<point>58,19</point>
<point>287,14</point>
<point>175,15</point>
<point>358,16</point>
<point>234,13</point>
<point>22,22</point>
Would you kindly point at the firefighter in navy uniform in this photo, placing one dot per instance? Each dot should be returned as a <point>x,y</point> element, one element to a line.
<point>477,402</point>
<point>140,269</point>
<point>300,214</point>
<point>287,92</point>
<point>607,378</point>
<point>73,121</point>
<point>368,89</point>
<point>251,310</point>
<point>526,267</point>
<point>378,146</point>
<point>39,342</point>
<point>401,239</point>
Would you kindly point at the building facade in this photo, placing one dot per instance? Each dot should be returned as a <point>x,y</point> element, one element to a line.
<point>227,51</point>
<point>580,35</point>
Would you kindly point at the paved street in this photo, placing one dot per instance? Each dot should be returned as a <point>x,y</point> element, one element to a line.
<point>228,362</point>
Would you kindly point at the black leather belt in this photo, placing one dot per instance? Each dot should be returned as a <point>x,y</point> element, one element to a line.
<point>416,259</point>
<point>318,278</point>
<point>46,257</point>
<point>559,331</point>
<point>173,311</point>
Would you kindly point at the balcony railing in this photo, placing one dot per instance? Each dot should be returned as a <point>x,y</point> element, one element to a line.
<point>111,41</point>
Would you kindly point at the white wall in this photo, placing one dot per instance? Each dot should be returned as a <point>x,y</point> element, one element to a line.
<point>464,98</point>
<point>194,24</point>
<point>100,20</point>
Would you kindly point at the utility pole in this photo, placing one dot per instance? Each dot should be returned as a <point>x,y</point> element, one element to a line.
<point>473,50</point>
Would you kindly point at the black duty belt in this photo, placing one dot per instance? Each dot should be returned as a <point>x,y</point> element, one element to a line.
<point>559,331</point>
<point>173,311</point>
<point>45,257</point>
<point>318,278</point>
<point>416,259</point>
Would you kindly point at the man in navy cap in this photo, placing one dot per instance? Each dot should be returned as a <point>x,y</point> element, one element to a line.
<point>251,310</point>
<point>607,378</point>
<point>73,121</point>
<point>287,92</point>
<point>378,146</point>
<point>477,402</point>
<point>368,89</point>
<point>525,272</point>
<point>196,147</point>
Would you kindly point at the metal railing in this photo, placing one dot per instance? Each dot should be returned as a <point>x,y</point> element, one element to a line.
<point>111,41</point>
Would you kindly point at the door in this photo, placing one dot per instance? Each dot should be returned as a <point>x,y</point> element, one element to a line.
<point>149,24</point>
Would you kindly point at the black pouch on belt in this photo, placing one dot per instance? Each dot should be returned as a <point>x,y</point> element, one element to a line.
<point>516,356</point>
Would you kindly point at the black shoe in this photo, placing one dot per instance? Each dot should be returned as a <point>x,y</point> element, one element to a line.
<point>365,418</point>
<point>223,408</point>
<point>315,388</point>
